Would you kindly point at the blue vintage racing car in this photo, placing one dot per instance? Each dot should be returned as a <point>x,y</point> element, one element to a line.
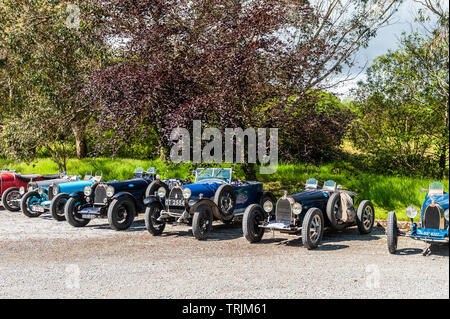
<point>213,196</point>
<point>308,213</point>
<point>59,194</point>
<point>433,227</point>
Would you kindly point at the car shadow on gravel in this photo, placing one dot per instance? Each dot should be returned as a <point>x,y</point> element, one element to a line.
<point>441,250</point>
<point>218,233</point>
<point>296,241</point>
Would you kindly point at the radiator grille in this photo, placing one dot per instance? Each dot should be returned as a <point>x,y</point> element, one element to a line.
<point>284,211</point>
<point>100,194</point>
<point>432,217</point>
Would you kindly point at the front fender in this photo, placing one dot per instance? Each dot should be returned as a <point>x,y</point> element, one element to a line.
<point>208,202</point>
<point>127,195</point>
<point>153,199</point>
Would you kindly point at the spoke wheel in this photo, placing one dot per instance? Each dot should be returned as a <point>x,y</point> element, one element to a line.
<point>11,199</point>
<point>312,228</point>
<point>152,224</point>
<point>365,217</point>
<point>202,222</point>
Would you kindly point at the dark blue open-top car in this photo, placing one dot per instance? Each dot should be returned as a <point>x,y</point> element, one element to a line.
<point>213,196</point>
<point>433,227</point>
<point>119,201</point>
<point>308,213</point>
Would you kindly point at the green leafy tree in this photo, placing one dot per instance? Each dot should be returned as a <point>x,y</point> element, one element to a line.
<point>48,50</point>
<point>403,105</point>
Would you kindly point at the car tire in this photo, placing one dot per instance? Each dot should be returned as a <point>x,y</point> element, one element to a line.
<point>152,212</point>
<point>365,217</point>
<point>57,206</point>
<point>225,199</point>
<point>334,202</point>
<point>311,239</point>
<point>202,222</point>
<point>116,210</point>
<point>25,207</point>
<point>13,191</point>
<point>71,213</point>
<point>392,232</point>
<point>253,215</point>
<point>154,186</point>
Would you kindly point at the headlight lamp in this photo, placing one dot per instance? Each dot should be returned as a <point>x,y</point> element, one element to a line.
<point>268,206</point>
<point>162,192</point>
<point>40,190</point>
<point>22,190</point>
<point>411,211</point>
<point>88,190</point>
<point>297,208</point>
<point>55,191</point>
<point>187,193</point>
<point>446,214</point>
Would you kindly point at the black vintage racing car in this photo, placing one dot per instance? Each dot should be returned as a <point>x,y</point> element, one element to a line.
<point>308,213</point>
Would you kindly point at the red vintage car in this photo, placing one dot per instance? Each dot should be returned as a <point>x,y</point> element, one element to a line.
<point>10,183</point>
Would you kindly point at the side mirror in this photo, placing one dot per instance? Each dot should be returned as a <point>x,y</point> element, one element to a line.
<point>339,187</point>
<point>423,190</point>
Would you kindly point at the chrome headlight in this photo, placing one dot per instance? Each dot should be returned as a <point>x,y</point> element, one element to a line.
<point>411,211</point>
<point>297,208</point>
<point>268,206</point>
<point>40,190</point>
<point>55,191</point>
<point>87,190</point>
<point>446,214</point>
<point>22,190</point>
<point>110,191</point>
<point>162,192</point>
<point>30,188</point>
<point>186,193</point>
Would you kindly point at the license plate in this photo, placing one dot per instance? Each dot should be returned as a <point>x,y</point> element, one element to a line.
<point>88,216</point>
<point>38,209</point>
<point>175,202</point>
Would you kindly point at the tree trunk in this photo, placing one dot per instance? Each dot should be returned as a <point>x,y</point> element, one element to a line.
<point>80,140</point>
<point>249,171</point>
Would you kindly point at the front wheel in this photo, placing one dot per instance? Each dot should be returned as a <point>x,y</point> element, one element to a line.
<point>121,214</point>
<point>365,217</point>
<point>253,216</point>
<point>202,222</point>
<point>27,200</point>
<point>392,232</point>
<point>11,199</point>
<point>57,206</point>
<point>312,228</point>
<point>152,214</point>
<point>71,212</point>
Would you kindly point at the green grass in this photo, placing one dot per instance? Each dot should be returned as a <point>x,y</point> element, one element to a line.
<point>386,192</point>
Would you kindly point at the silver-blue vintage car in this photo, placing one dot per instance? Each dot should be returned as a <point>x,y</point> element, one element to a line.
<point>433,225</point>
<point>309,213</point>
<point>214,195</point>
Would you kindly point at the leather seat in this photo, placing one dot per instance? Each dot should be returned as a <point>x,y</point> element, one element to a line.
<point>50,176</point>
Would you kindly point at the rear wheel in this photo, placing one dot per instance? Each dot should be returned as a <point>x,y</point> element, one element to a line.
<point>253,216</point>
<point>71,212</point>
<point>392,232</point>
<point>11,199</point>
<point>365,217</point>
<point>152,224</point>
<point>225,199</point>
<point>57,206</point>
<point>202,222</point>
<point>121,213</point>
<point>312,228</point>
<point>27,200</point>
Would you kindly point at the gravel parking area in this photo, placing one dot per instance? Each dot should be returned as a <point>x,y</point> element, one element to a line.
<point>42,258</point>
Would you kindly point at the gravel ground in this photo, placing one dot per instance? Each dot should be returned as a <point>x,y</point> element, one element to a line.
<point>42,258</point>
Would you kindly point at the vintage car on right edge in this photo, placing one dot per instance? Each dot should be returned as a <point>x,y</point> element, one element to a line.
<point>308,213</point>
<point>433,220</point>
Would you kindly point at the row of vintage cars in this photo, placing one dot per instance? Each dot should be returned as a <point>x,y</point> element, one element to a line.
<point>214,195</point>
